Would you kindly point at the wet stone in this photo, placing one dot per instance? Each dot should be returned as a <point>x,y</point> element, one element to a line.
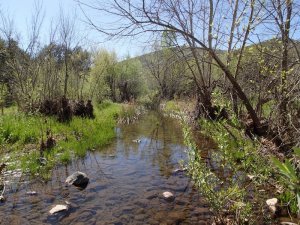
<point>151,195</point>
<point>78,179</point>
<point>2,199</point>
<point>168,196</point>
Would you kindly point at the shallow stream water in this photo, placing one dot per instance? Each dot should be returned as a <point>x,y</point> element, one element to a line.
<point>127,180</point>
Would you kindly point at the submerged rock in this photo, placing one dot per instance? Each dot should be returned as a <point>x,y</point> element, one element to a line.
<point>151,195</point>
<point>58,208</point>
<point>78,179</point>
<point>168,196</point>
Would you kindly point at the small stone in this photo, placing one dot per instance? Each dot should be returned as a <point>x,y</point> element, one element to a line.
<point>58,208</point>
<point>78,179</point>
<point>250,176</point>
<point>272,204</point>
<point>168,196</point>
<point>2,198</point>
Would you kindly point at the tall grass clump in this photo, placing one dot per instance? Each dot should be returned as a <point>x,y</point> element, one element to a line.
<point>21,137</point>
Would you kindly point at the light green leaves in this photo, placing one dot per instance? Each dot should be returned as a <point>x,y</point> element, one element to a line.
<point>290,176</point>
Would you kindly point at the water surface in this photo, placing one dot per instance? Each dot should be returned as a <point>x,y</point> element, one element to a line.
<point>127,180</point>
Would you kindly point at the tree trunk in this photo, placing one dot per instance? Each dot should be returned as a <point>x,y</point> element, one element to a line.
<point>285,31</point>
<point>66,74</point>
<point>235,102</point>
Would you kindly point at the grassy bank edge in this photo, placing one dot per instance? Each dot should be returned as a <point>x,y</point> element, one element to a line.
<point>249,177</point>
<point>21,136</point>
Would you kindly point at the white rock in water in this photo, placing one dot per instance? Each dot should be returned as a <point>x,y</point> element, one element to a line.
<point>168,196</point>
<point>272,204</point>
<point>58,208</point>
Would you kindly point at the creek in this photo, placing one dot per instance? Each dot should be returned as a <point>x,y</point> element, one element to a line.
<point>127,179</point>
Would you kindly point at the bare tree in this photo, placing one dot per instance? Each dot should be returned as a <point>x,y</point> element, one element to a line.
<point>66,35</point>
<point>23,64</point>
<point>157,16</point>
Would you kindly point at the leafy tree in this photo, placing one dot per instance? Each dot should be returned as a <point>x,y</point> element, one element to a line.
<point>103,75</point>
<point>129,79</point>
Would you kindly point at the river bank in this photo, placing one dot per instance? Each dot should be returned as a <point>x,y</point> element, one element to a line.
<point>35,143</point>
<point>235,173</point>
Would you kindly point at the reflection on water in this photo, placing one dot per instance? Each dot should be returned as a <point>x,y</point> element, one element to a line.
<point>126,182</point>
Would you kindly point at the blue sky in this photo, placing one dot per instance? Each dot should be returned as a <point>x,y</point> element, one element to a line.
<point>21,11</point>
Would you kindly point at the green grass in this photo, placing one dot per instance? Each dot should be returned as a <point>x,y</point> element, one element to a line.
<point>226,186</point>
<point>21,135</point>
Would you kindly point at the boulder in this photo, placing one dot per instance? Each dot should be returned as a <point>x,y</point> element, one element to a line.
<point>78,179</point>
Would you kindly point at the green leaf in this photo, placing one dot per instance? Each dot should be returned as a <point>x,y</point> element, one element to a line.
<point>291,170</point>
<point>281,166</point>
<point>297,151</point>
